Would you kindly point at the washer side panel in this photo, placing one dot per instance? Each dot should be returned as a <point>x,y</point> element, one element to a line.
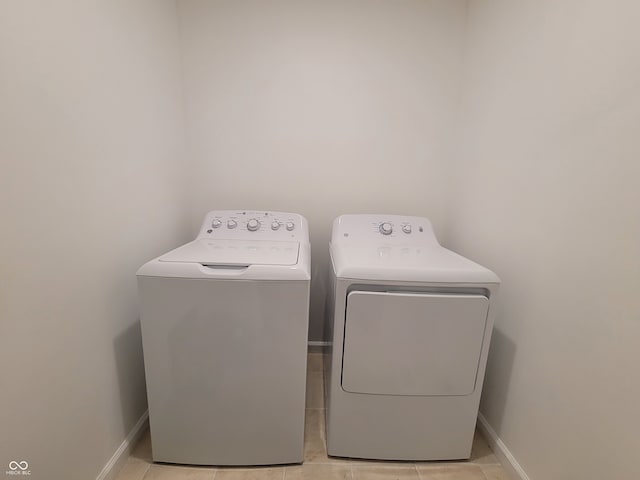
<point>225,365</point>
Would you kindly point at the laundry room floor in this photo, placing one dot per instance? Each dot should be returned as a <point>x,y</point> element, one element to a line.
<point>483,464</point>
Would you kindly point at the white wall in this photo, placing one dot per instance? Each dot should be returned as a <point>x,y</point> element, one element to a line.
<point>322,108</point>
<point>546,192</point>
<point>91,186</point>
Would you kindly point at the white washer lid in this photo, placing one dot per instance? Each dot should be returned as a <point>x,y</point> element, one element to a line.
<point>235,252</point>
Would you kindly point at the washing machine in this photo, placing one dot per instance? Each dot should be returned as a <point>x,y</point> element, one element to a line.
<point>409,324</point>
<point>224,330</point>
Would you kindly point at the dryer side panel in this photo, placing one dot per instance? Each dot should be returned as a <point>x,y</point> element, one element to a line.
<point>413,343</point>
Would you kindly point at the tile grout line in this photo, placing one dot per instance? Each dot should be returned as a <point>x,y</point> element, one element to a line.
<point>145,471</point>
<point>415,465</point>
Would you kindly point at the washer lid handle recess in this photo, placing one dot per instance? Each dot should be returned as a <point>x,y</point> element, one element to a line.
<point>240,253</point>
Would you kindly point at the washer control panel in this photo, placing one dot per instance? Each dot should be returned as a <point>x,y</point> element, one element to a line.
<point>393,229</point>
<point>254,224</point>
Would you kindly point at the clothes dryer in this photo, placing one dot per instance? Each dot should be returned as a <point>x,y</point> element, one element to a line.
<point>409,324</point>
<point>224,330</point>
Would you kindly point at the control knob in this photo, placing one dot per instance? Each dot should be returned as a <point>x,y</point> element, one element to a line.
<point>290,226</point>
<point>253,225</point>
<point>275,225</point>
<point>385,228</point>
<point>406,228</point>
<point>216,223</point>
<point>232,224</point>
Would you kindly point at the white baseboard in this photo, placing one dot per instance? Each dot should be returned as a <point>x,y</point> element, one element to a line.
<point>119,458</point>
<point>501,451</point>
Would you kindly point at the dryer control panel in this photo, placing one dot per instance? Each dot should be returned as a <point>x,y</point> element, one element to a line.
<point>255,225</point>
<point>393,229</point>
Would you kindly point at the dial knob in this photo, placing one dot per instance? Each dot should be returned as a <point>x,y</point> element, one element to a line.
<point>232,224</point>
<point>385,228</point>
<point>290,226</point>
<point>275,225</point>
<point>216,223</point>
<point>253,225</point>
<point>406,228</point>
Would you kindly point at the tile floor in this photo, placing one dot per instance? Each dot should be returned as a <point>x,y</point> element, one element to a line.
<point>483,464</point>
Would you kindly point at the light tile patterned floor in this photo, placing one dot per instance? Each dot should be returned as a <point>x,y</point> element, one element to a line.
<point>483,464</point>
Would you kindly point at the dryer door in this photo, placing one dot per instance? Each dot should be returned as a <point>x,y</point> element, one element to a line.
<point>412,343</point>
